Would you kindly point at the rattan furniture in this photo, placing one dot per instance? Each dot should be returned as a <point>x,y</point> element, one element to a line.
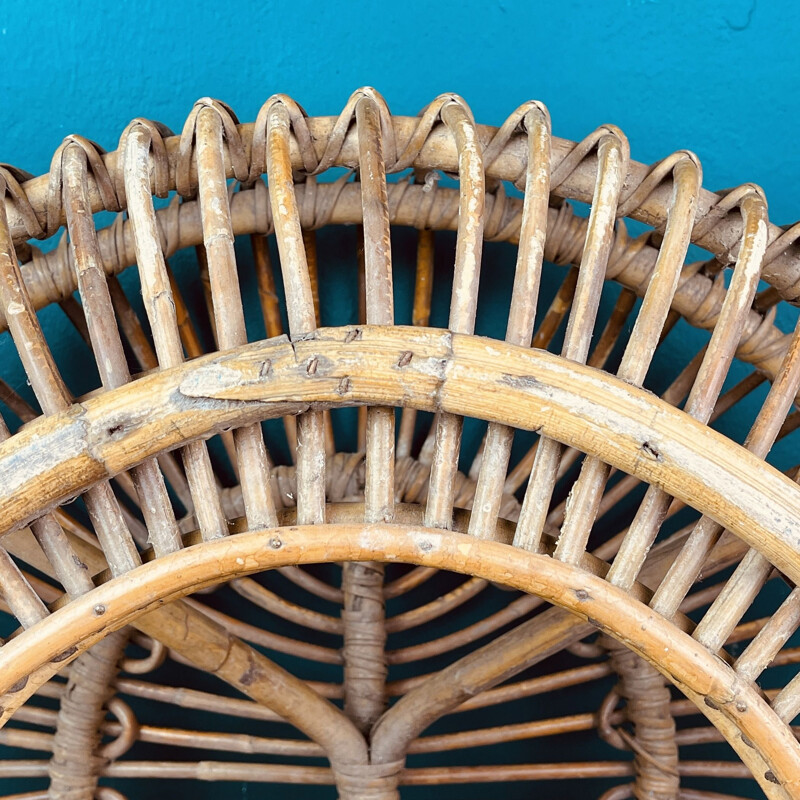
<point>179,492</point>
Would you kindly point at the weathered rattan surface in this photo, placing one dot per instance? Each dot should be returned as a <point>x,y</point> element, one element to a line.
<point>394,501</point>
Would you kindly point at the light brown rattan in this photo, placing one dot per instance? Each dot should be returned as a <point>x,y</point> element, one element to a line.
<point>138,435</point>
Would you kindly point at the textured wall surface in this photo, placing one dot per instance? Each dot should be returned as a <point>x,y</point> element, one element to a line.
<point>718,76</point>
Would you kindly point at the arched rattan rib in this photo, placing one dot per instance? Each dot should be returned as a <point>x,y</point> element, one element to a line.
<point>496,448</point>
<point>487,553</point>
<point>139,138</point>
<point>205,125</point>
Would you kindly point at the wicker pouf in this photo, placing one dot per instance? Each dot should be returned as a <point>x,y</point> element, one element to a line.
<point>355,578</point>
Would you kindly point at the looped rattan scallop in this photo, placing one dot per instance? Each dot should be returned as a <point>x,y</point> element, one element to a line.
<point>12,177</point>
<point>114,448</point>
<point>129,734</point>
<point>103,181</point>
<point>161,177</point>
<point>235,148</point>
<point>155,658</point>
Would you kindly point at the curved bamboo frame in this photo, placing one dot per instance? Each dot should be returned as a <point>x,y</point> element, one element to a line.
<point>591,411</point>
<point>733,706</point>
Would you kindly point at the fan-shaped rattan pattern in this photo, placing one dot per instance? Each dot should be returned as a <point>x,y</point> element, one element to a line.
<point>142,437</point>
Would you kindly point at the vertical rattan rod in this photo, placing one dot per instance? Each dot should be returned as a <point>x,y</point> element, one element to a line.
<point>111,528</point>
<point>612,160</point>
<point>71,572</point>
<point>464,301</point>
<point>522,314</point>
<point>132,330</point>
<point>53,396</point>
<point>312,259</point>
<point>727,333</point>
<point>363,615</point>
<point>126,484</point>
<point>379,481</point>
<point>267,292</point>
<point>612,166</point>
<point>160,309</point>
<point>420,315</point>
<point>192,346</point>
<point>361,425</point>
<point>790,424</point>
<point>270,311</point>
<point>310,245</point>
<point>131,326</point>
<point>734,600</point>
<point>16,403</point>
<point>35,355</point>
<point>736,393</point>
<point>156,507</point>
<point>738,594</point>
<point>614,329</point>
<point>704,393</point>
<point>205,283</point>
<point>584,500</point>
<point>754,569</point>
<point>227,301</point>
<point>657,301</point>
<point>300,307</point>
<point>559,307</point>
<point>787,703</point>
<point>23,601</point>
<point>74,313</point>
<point>544,334</point>
<point>769,641</point>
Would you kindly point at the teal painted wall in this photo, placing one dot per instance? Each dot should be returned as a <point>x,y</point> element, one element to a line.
<point>715,76</point>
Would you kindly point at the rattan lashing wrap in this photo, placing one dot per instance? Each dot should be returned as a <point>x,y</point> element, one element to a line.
<point>50,277</point>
